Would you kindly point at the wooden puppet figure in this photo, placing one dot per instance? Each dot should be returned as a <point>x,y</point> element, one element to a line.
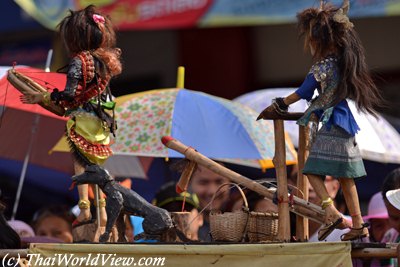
<point>90,40</point>
<point>339,73</point>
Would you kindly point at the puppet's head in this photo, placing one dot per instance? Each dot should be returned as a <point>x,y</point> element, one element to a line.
<point>87,29</point>
<point>326,29</point>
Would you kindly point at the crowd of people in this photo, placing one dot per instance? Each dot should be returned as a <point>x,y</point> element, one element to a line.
<point>54,223</point>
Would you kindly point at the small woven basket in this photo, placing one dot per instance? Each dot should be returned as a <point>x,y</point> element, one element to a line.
<point>229,226</point>
<point>262,226</point>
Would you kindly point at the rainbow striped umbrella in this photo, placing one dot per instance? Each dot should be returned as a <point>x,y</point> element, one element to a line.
<point>218,128</point>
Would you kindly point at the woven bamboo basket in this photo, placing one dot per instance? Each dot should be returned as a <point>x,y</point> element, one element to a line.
<point>262,226</point>
<point>229,226</point>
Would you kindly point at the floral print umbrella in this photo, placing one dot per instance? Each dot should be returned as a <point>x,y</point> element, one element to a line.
<point>216,127</point>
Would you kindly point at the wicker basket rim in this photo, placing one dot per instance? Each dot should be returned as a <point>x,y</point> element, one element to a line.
<point>257,213</point>
<point>240,191</point>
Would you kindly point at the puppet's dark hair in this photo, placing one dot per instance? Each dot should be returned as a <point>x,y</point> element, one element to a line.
<point>329,31</point>
<point>80,32</point>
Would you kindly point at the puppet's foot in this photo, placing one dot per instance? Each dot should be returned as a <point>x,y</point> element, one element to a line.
<point>333,216</point>
<point>104,237</point>
<point>356,233</point>
<point>84,216</point>
<point>333,220</point>
<point>328,228</point>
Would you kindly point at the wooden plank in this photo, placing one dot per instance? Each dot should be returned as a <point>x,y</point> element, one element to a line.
<point>302,231</point>
<point>274,115</point>
<point>279,161</point>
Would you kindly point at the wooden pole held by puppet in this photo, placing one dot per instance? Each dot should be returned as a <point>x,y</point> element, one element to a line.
<point>302,232</point>
<point>298,206</point>
<point>281,176</point>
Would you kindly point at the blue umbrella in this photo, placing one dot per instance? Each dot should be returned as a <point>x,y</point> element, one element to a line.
<point>216,127</point>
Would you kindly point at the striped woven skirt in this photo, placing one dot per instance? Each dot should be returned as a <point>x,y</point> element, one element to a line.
<point>335,153</point>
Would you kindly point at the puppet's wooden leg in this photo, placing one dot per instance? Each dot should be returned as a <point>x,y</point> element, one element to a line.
<point>103,213</point>
<point>101,205</point>
<point>358,230</point>
<point>331,213</point>
<point>84,203</point>
<point>352,202</point>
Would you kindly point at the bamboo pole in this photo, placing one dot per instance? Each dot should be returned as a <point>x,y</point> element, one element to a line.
<point>299,206</point>
<point>302,232</point>
<point>281,174</point>
<point>387,252</point>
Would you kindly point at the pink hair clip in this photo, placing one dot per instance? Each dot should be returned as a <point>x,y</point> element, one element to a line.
<point>98,18</point>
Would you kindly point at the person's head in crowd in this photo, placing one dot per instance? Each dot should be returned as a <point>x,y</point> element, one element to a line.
<point>393,198</point>
<point>205,183</point>
<point>22,228</point>
<point>392,182</point>
<point>54,222</point>
<point>256,202</point>
<point>9,238</point>
<point>332,186</point>
<point>377,217</point>
<point>260,203</point>
<point>168,199</point>
<point>235,202</point>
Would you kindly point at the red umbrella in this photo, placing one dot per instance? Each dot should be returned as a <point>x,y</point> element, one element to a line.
<point>9,96</point>
<point>31,128</point>
<point>27,132</point>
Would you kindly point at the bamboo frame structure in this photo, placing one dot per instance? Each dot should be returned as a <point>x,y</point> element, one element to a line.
<point>281,177</point>
<point>302,230</point>
<point>298,206</point>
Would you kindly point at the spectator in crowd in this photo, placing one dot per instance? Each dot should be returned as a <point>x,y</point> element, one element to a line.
<point>22,228</point>
<point>205,183</point>
<point>256,202</point>
<point>9,238</point>
<point>54,222</point>
<point>391,182</point>
<point>377,218</point>
<point>167,198</point>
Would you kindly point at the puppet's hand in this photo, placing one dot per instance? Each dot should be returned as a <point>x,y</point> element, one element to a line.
<point>278,107</point>
<point>268,110</point>
<point>32,98</point>
<point>58,96</point>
